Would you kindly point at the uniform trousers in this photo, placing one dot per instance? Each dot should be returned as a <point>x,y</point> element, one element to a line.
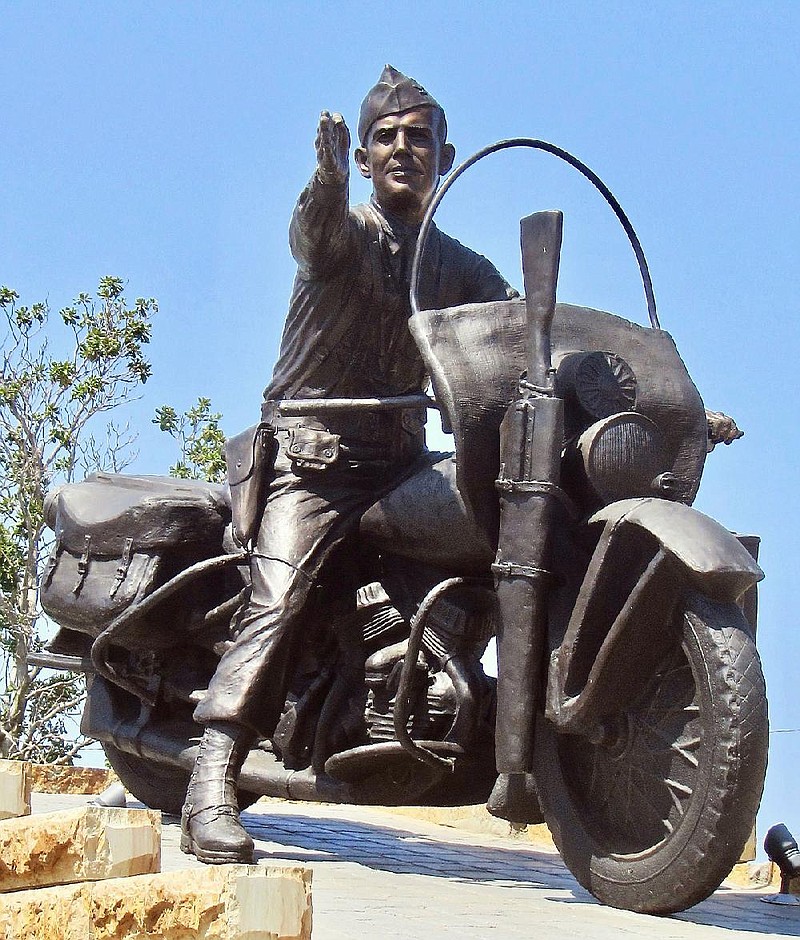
<point>308,513</point>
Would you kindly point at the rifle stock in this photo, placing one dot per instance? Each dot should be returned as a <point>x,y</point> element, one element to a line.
<point>530,452</point>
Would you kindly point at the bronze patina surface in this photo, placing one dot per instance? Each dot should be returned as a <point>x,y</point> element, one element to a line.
<point>316,629</point>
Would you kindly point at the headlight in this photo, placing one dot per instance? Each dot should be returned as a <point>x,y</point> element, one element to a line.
<point>623,456</point>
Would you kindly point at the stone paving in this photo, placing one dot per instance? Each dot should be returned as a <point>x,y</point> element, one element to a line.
<point>379,876</point>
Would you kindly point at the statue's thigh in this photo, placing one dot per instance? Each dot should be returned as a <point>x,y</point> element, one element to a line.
<point>302,522</point>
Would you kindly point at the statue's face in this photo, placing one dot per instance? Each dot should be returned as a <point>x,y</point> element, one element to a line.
<point>405,155</point>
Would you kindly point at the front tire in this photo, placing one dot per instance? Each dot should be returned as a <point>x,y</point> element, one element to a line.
<point>653,816</point>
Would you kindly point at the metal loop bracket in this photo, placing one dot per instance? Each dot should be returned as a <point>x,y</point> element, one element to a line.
<point>507,569</point>
<point>543,487</point>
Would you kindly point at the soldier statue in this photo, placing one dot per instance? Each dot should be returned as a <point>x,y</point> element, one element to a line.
<point>346,335</point>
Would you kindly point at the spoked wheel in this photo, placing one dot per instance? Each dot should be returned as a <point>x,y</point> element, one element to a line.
<point>159,786</point>
<point>652,813</point>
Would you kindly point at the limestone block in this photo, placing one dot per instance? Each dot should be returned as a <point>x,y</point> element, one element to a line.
<point>754,875</point>
<point>219,902</point>
<point>84,844</point>
<point>749,850</point>
<point>53,778</point>
<point>15,788</point>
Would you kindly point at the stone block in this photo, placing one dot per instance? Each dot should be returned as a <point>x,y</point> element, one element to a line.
<point>84,844</point>
<point>15,788</point>
<point>219,902</point>
<point>54,778</point>
<point>754,875</point>
<point>749,850</point>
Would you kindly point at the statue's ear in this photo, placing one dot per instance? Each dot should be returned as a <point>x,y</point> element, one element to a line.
<point>447,159</point>
<point>360,158</point>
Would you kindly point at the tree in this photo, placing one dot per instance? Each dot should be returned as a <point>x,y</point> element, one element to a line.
<point>200,438</point>
<point>57,386</point>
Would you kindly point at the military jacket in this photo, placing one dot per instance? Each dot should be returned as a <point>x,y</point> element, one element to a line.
<point>346,333</point>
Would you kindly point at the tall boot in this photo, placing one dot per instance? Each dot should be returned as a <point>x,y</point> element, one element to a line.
<point>210,826</point>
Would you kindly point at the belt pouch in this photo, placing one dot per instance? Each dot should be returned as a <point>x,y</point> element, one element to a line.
<point>310,449</point>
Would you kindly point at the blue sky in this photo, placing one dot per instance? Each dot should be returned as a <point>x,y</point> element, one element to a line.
<point>166,143</point>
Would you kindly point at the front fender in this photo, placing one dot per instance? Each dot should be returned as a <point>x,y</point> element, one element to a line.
<point>714,560</point>
<point>622,624</point>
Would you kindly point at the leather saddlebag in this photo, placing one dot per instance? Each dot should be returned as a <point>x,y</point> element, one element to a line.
<point>112,533</point>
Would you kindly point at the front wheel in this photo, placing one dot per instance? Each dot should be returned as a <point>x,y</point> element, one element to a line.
<point>653,814</point>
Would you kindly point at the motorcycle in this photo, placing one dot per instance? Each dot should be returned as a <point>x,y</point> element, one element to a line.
<point>629,710</point>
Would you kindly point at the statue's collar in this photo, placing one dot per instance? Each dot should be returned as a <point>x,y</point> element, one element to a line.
<point>398,234</point>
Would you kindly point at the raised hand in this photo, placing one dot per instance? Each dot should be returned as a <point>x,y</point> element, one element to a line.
<point>333,148</point>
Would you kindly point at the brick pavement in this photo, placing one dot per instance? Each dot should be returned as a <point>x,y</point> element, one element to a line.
<point>379,876</point>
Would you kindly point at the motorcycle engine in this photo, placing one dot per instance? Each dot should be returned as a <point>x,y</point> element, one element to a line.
<point>456,634</point>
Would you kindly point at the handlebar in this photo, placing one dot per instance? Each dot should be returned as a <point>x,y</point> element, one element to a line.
<point>296,407</point>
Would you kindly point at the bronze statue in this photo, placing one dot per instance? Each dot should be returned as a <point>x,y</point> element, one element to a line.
<point>320,624</point>
<point>346,335</point>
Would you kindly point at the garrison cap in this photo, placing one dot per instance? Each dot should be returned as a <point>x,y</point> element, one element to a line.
<point>393,94</point>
